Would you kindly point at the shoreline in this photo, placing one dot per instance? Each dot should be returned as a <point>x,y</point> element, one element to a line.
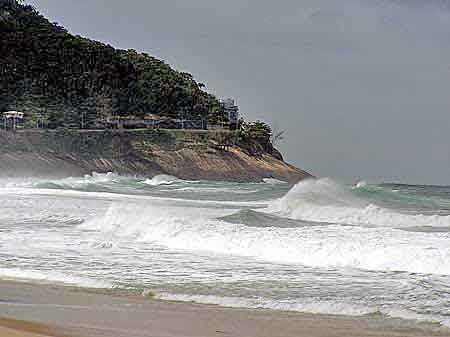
<point>59,311</point>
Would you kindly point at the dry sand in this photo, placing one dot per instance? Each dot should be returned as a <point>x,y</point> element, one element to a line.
<point>80,313</point>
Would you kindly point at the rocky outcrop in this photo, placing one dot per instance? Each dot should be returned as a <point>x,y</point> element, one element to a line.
<point>232,165</point>
<point>65,82</point>
<point>185,164</point>
<point>187,155</point>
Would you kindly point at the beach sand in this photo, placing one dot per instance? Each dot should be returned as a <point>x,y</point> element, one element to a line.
<point>15,328</point>
<point>63,311</point>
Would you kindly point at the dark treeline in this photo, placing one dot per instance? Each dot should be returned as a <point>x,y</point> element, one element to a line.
<point>47,71</point>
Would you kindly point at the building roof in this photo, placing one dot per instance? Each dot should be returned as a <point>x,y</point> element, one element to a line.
<point>13,114</point>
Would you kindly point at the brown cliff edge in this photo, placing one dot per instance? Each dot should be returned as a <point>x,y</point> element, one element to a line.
<point>184,154</point>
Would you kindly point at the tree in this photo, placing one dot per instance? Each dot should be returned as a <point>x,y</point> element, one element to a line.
<point>40,58</point>
<point>277,136</point>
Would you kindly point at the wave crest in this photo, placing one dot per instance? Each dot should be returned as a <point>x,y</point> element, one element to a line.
<point>162,179</point>
<point>378,249</point>
<point>80,183</point>
<point>326,201</point>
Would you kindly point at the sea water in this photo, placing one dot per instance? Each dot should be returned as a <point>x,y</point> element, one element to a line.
<point>317,246</point>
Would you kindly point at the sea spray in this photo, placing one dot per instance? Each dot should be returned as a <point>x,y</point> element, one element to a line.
<point>90,182</point>
<point>236,244</point>
<point>324,200</point>
<point>331,246</point>
<point>162,179</point>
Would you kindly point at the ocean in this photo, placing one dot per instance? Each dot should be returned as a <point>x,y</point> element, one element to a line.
<point>318,246</point>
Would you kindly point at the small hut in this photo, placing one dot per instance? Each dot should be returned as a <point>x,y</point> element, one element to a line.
<point>12,119</point>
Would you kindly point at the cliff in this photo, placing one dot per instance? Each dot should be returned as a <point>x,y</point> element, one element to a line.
<point>184,154</point>
<point>69,83</point>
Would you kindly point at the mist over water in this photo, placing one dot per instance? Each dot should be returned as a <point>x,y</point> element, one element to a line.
<point>360,86</point>
<point>318,246</point>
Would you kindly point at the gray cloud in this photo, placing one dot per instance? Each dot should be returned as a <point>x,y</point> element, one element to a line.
<point>362,87</point>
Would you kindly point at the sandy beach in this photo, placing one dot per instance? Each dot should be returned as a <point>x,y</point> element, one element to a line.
<point>64,311</point>
<point>224,168</point>
<point>16,328</point>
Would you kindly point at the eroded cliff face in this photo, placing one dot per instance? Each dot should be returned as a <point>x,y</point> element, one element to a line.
<point>187,155</point>
<point>231,165</point>
<point>66,82</point>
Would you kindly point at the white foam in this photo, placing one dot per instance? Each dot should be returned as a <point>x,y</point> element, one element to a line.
<point>326,201</point>
<point>16,191</point>
<point>379,249</point>
<point>16,182</point>
<point>305,305</point>
<point>52,277</point>
<point>360,184</point>
<point>214,190</point>
<point>311,306</point>
<point>273,181</point>
<point>88,179</point>
<point>162,179</point>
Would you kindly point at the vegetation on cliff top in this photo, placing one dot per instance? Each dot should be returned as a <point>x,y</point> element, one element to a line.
<point>46,70</point>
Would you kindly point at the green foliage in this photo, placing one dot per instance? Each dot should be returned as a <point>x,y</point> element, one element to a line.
<point>255,130</point>
<point>159,137</point>
<point>69,78</point>
<point>88,145</point>
<point>254,137</point>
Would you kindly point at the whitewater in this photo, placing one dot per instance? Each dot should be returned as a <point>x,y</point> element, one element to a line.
<point>318,246</point>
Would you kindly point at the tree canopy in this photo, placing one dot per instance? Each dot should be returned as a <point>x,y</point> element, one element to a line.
<point>49,71</point>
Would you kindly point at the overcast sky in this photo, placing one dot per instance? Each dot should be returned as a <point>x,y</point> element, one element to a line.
<point>361,87</point>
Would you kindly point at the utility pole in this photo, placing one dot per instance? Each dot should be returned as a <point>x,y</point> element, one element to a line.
<point>82,119</point>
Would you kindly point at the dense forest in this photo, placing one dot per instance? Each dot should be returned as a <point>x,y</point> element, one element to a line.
<point>66,79</point>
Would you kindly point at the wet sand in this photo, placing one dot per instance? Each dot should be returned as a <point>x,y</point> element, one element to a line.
<point>14,328</point>
<point>62,311</point>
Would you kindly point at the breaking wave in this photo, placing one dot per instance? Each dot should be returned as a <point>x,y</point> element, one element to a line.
<point>324,200</point>
<point>378,249</point>
<point>92,182</point>
<point>318,246</point>
<point>162,179</point>
<point>273,181</point>
<point>107,181</point>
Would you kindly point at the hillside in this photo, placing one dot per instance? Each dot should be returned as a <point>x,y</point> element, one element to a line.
<point>70,83</point>
<point>46,70</point>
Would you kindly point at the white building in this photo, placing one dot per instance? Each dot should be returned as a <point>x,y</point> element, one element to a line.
<point>12,118</point>
<point>231,109</point>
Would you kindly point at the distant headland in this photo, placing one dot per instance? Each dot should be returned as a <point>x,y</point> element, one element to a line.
<point>77,105</point>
